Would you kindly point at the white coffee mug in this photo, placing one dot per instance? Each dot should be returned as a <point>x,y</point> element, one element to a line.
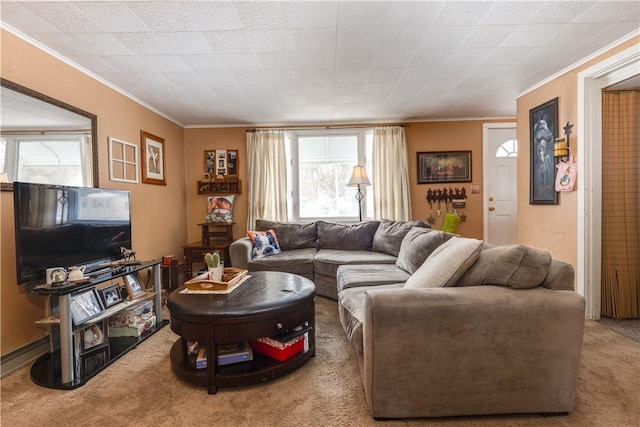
<point>55,275</point>
<point>76,273</point>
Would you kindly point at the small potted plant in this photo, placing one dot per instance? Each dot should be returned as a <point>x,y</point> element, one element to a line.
<point>214,265</point>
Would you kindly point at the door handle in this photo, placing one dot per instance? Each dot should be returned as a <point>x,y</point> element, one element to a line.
<point>492,208</point>
<point>491,198</point>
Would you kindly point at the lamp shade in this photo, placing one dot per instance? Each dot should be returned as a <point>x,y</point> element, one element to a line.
<point>359,177</point>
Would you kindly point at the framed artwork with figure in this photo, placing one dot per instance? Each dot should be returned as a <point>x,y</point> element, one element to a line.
<point>543,122</point>
<point>153,163</point>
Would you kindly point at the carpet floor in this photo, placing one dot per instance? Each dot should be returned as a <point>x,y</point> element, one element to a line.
<point>141,390</point>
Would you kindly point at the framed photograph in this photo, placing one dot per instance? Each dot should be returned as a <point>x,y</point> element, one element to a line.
<point>153,164</point>
<point>210,162</point>
<point>543,123</point>
<point>85,305</point>
<point>110,295</point>
<point>232,162</point>
<point>94,336</point>
<point>444,166</point>
<point>206,177</point>
<point>133,285</point>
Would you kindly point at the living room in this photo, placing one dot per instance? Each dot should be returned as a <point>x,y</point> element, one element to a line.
<point>165,217</point>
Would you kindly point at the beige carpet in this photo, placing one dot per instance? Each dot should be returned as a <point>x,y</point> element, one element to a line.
<point>141,390</point>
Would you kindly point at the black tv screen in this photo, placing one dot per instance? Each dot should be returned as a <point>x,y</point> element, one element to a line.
<point>61,226</point>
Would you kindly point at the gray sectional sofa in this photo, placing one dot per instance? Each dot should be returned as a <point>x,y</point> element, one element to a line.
<point>316,249</point>
<point>442,325</point>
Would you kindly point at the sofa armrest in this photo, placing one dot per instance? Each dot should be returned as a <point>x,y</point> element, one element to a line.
<point>240,253</point>
<point>476,350</point>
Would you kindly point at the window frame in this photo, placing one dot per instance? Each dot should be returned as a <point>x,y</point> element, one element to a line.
<point>292,138</point>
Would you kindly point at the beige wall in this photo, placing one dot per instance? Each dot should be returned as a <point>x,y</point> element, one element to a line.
<point>158,212</point>
<point>196,142</point>
<point>552,227</point>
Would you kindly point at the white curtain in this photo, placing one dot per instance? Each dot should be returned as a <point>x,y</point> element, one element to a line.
<point>267,166</point>
<point>390,174</point>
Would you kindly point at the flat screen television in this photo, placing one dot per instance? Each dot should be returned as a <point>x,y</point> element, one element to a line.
<point>62,226</point>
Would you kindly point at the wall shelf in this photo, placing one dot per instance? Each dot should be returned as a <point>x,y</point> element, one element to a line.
<point>230,186</point>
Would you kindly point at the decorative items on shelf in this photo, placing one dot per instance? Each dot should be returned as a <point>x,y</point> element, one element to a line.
<point>220,172</point>
<point>567,168</point>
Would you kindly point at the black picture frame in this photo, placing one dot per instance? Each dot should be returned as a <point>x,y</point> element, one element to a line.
<point>110,295</point>
<point>444,166</point>
<point>85,305</point>
<point>543,127</point>
<point>94,337</point>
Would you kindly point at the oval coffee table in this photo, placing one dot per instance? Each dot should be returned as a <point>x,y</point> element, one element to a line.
<point>267,304</point>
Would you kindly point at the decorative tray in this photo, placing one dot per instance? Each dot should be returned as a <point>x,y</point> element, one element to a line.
<point>230,277</point>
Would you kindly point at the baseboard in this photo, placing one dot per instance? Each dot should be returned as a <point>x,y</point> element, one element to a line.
<point>24,355</point>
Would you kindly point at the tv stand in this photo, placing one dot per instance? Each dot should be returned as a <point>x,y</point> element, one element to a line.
<point>66,368</point>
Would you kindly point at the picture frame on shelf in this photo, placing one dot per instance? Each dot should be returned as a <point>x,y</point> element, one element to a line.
<point>444,167</point>
<point>94,336</point>
<point>203,187</point>
<point>153,164</point>
<point>206,177</point>
<point>133,285</point>
<point>110,295</point>
<point>85,305</point>
<point>543,128</point>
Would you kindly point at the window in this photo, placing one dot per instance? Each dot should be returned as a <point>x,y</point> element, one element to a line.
<point>320,165</point>
<point>508,148</point>
<point>47,158</point>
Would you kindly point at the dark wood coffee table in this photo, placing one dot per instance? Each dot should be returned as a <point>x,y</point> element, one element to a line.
<point>267,304</point>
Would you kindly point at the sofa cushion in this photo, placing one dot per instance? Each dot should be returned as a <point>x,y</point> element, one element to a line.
<point>446,264</point>
<point>351,312</point>
<point>389,235</point>
<point>357,275</point>
<point>296,261</point>
<point>355,237</point>
<point>291,235</point>
<point>517,266</point>
<point>417,245</point>
<point>327,261</point>
<point>264,243</point>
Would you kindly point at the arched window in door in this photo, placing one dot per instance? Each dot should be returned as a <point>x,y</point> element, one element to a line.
<point>508,148</point>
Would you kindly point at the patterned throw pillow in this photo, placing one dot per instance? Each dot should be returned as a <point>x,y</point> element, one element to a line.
<point>265,243</point>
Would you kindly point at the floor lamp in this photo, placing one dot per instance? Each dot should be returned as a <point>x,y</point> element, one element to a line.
<point>359,179</point>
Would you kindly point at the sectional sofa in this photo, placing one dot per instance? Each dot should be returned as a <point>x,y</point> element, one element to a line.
<point>442,325</point>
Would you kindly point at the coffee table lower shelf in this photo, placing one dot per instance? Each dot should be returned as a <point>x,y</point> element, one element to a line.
<point>262,368</point>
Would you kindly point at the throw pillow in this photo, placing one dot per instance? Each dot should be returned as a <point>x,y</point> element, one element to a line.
<point>264,243</point>
<point>517,266</point>
<point>219,209</point>
<point>417,245</point>
<point>389,235</point>
<point>446,264</point>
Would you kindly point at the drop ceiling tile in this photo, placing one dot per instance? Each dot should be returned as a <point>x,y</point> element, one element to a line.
<point>317,76</point>
<point>443,37</point>
<point>202,62</point>
<point>100,43</point>
<point>25,21</point>
<point>488,36</point>
<point>392,58</point>
<point>62,15</point>
<point>352,75</point>
<point>463,12</point>
<point>186,16</point>
<point>112,16</point>
<point>143,43</point>
<point>241,62</point>
<point>553,12</point>
<point>385,74</point>
<point>232,41</point>
<point>531,35</point>
<point>127,63</point>
<point>63,44</point>
<point>166,63</point>
<point>510,12</point>
<point>186,42</point>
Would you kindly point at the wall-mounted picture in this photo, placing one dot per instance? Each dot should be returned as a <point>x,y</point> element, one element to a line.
<point>123,161</point>
<point>94,336</point>
<point>232,162</point>
<point>85,305</point>
<point>543,122</point>
<point>153,164</point>
<point>221,162</point>
<point>219,209</point>
<point>133,285</point>
<point>444,166</point>
<point>210,162</point>
<point>110,295</point>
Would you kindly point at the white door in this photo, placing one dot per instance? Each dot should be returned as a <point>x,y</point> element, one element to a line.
<point>500,152</point>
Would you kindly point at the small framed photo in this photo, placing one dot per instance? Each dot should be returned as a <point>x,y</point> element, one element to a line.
<point>134,287</point>
<point>206,177</point>
<point>232,162</point>
<point>94,337</point>
<point>210,162</point>
<point>110,295</point>
<point>85,305</point>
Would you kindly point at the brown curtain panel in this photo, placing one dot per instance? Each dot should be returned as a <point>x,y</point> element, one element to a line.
<point>620,204</point>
